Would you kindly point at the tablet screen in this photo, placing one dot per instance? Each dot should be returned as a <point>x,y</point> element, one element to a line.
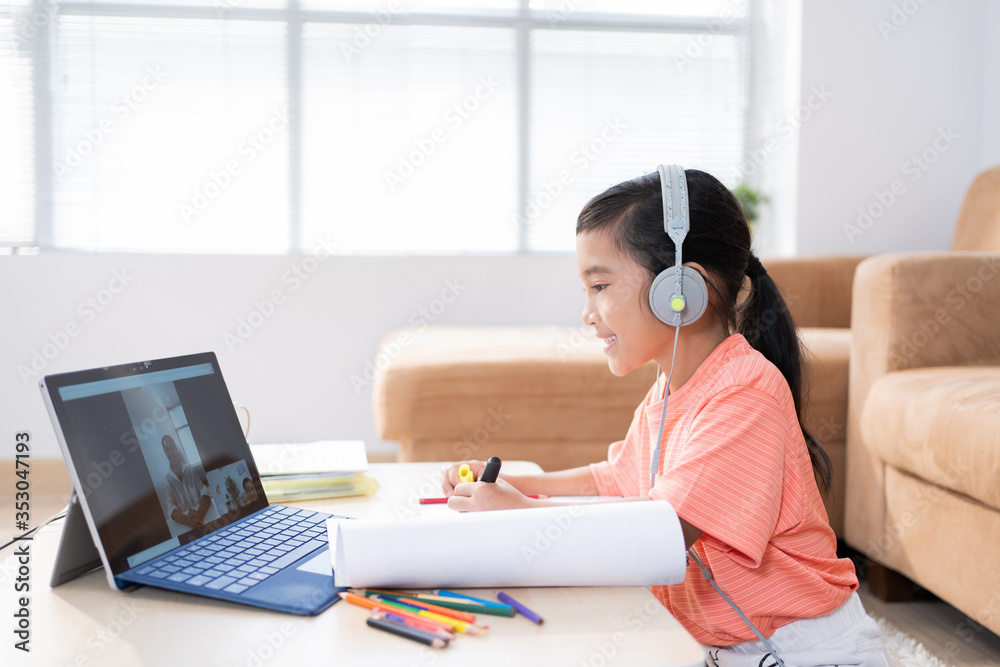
<point>158,453</point>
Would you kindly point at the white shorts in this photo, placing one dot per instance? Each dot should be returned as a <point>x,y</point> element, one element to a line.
<point>845,636</point>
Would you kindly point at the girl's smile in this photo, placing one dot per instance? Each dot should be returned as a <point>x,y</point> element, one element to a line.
<point>617,305</point>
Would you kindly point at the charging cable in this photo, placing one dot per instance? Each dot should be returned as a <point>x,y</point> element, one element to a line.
<point>55,517</point>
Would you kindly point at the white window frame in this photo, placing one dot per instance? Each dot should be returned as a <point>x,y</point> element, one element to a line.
<point>524,21</point>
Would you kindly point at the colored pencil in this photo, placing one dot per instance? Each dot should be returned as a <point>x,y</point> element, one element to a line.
<point>454,613</point>
<point>442,501</point>
<point>521,609</point>
<point>458,625</point>
<point>468,605</point>
<point>452,594</point>
<point>367,603</point>
<point>422,623</point>
<point>403,630</point>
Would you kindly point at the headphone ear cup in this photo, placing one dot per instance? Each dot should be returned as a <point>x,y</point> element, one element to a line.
<point>695,295</point>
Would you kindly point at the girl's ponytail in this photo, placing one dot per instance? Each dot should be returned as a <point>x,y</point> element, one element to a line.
<point>765,322</point>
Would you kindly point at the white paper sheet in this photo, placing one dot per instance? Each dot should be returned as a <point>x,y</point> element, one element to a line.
<point>325,456</point>
<point>611,544</point>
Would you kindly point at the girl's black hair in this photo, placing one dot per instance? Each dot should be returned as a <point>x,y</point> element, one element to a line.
<point>719,239</point>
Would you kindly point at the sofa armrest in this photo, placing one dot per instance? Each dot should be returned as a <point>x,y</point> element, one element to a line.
<point>916,310</point>
<point>816,289</point>
<point>911,310</point>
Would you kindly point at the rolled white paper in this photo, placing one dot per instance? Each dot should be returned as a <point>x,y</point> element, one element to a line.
<point>607,544</point>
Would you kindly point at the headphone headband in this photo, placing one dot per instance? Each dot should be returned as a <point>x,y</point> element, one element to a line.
<point>676,219</point>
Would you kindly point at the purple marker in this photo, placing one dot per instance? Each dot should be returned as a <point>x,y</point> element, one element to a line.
<point>520,608</point>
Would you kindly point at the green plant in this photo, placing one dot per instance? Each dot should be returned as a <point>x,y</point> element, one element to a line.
<point>750,200</point>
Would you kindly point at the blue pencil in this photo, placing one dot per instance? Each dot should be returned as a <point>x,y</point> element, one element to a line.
<point>451,594</point>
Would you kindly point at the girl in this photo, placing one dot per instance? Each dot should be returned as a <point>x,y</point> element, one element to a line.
<point>736,465</point>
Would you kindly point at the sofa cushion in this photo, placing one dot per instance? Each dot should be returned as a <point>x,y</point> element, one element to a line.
<point>940,424</point>
<point>551,383</point>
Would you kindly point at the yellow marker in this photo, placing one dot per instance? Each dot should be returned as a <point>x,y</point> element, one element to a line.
<point>465,473</point>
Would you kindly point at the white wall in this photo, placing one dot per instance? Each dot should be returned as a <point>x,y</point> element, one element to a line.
<point>890,97</point>
<point>295,370</point>
<point>990,152</point>
<point>898,81</point>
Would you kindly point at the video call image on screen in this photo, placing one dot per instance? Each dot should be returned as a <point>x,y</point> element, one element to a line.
<point>172,457</point>
<point>160,457</point>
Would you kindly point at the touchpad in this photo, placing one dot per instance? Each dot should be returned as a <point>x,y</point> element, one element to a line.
<point>318,564</point>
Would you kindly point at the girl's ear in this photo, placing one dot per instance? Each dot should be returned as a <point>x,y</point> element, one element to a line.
<point>699,268</point>
<point>713,293</point>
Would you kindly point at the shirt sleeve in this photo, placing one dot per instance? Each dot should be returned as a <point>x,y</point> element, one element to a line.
<point>727,477</point>
<point>602,472</point>
<point>617,475</point>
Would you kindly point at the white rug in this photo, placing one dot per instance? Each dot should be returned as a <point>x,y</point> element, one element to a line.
<point>904,650</point>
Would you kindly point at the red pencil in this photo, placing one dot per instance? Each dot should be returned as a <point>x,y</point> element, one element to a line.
<point>442,501</point>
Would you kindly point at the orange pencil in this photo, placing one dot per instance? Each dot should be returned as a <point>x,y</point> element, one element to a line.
<point>459,625</point>
<point>417,602</point>
<point>367,603</point>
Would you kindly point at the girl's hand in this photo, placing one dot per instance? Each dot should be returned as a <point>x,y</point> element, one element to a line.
<point>449,476</point>
<point>479,496</point>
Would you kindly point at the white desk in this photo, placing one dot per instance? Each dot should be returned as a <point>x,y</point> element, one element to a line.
<point>85,622</point>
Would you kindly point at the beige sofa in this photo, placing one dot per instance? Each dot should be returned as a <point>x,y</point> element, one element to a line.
<point>545,394</point>
<point>923,444</point>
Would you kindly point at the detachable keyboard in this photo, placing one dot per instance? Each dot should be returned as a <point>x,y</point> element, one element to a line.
<point>240,556</point>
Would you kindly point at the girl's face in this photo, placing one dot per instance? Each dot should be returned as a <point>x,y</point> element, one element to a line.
<point>617,305</point>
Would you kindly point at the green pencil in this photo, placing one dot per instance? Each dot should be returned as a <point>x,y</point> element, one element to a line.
<point>457,605</point>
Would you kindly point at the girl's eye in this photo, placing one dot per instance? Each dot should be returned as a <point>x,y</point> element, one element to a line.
<point>598,287</point>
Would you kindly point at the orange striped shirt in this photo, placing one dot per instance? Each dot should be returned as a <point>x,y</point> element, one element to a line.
<point>736,466</point>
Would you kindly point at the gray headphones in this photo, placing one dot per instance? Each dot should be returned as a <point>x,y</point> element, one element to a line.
<point>678,295</point>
